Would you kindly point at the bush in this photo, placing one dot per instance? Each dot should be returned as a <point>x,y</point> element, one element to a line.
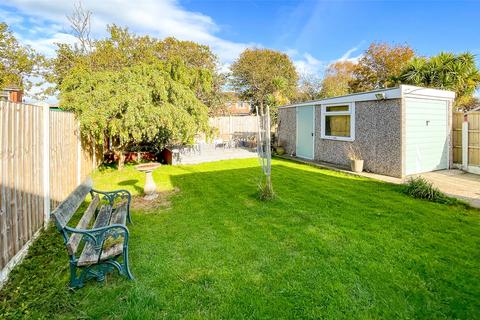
<point>265,191</point>
<point>420,188</point>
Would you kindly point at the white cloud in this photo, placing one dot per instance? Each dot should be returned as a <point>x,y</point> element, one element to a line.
<point>158,18</point>
<point>347,56</point>
<point>46,46</point>
<point>307,64</point>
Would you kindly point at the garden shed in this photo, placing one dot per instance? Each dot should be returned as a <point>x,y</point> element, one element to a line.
<point>398,131</point>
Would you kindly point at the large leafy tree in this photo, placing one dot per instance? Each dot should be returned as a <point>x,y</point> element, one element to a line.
<point>135,89</point>
<point>379,65</point>
<point>124,49</point>
<point>18,63</point>
<point>337,79</point>
<point>458,73</point>
<point>152,103</point>
<point>309,87</point>
<point>264,76</point>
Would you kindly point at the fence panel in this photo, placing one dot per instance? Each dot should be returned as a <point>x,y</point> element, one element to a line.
<point>230,125</point>
<point>457,137</point>
<point>473,138</point>
<point>23,136</point>
<point>64,155</point>
<point>21,199</point>
<point>90,157</point>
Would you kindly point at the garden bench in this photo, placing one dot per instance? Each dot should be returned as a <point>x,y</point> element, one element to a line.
<point>99,242</point>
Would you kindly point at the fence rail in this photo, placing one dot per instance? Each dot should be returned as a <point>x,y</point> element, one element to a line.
<point>42,161</point>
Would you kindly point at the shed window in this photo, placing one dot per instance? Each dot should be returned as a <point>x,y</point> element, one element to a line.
<point>338,122</point>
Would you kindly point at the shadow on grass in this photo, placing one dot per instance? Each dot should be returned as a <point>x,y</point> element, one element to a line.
<point>132,183</point>
<point>322,225</point>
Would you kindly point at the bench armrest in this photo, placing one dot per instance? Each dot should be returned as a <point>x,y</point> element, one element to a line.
<point>97,235</point>
<point>112,195</point>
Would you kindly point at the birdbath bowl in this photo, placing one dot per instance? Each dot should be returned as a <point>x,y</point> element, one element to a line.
<point>150,189</point>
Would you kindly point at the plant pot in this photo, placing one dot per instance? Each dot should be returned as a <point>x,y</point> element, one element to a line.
<point>357,165</point>
<point>280,150</point>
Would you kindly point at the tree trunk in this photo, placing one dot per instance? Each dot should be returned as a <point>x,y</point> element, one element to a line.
<point>121,159</point>
<point>264,151</point>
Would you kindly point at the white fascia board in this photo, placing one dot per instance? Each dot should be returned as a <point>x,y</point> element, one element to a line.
<point>426,93</point>
<point>392,93</point>
<point>403,91</point>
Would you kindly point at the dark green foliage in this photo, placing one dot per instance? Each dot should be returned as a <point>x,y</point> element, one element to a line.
<point>330,246</point>
<point>137,89</point>
<point>447,71</point>
<point>421,188</point>
<point>265,76</point>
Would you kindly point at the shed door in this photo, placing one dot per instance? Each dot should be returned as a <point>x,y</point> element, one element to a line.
<point>305,131</point>
<point>426,130</point>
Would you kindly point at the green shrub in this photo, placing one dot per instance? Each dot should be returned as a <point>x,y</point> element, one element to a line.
<point>265,191</point>
<point>421,188</point>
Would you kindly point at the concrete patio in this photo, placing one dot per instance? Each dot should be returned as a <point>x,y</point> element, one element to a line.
<point>458,184</point>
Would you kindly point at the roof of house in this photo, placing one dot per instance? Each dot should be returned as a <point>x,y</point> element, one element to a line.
<point>382,94</point>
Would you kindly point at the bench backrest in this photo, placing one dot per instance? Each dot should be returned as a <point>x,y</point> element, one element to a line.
<point>65,210</point>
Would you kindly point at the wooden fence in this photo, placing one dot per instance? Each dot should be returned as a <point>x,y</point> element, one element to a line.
<point>466,138</point>
<point>457,137</point>
<point>42,161</point>
<point>230,125</point>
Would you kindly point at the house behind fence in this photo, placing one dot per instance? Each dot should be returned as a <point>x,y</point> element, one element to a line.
<point>42,160</point>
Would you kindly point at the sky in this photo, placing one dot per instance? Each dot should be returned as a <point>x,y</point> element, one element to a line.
<point>313,33</point>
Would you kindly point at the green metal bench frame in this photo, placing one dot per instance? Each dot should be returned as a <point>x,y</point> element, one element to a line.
<point>95,236</point>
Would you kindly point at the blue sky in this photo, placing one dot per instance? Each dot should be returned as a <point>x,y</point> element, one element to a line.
<point>313,33</point>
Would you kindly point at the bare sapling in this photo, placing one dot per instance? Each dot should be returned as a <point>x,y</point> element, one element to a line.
<point>264,150</point>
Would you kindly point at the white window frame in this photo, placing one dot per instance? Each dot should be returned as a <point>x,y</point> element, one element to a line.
<point>350,112</point>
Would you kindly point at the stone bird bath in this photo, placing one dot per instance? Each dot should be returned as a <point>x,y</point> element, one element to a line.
<point>150,189</point>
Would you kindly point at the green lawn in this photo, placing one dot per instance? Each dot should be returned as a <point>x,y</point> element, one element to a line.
<point>330,246</point>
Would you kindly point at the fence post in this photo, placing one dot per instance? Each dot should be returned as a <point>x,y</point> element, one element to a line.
<point>465,143</point>
<point>79,155</point>
<point>46,161</point>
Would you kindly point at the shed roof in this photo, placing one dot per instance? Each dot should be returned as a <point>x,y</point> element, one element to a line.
<point>401,91</point>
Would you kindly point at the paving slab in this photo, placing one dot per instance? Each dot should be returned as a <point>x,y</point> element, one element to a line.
<point>457,183</point>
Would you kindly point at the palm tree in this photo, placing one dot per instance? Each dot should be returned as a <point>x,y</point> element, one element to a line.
<point>458,73</point>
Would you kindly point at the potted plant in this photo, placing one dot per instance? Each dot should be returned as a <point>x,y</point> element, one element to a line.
<point>355,156</point>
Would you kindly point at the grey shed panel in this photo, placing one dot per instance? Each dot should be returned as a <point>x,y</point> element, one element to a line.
<point>287,129</point>
<point>378,135</point>
<point>378,127</point>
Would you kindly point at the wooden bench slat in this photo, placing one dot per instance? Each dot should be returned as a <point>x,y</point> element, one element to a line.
<point>103,217</point>
<point>119,216</point>
<point>65,210</point>
<point>90,254</point>
<point>74,241</point>
<point>114,247</point>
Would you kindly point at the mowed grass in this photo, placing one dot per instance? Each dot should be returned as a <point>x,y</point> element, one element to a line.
<point>330,246</point>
